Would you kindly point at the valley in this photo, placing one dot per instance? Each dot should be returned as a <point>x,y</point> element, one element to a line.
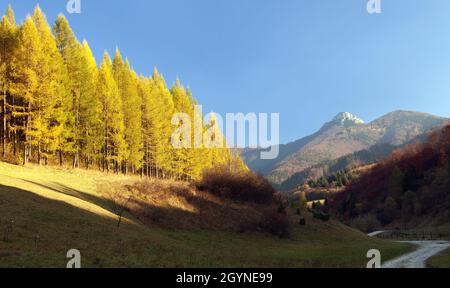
<point>108,162</point>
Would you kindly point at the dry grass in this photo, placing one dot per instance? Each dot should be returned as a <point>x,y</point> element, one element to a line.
<point>74,187</point>
<point>440,261</point>
<point>54,210</point>
<point>178,205</point>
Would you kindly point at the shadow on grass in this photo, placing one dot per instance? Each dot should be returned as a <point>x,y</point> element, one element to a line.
<point>62,226</point>
<point>12,198</point>
<point>69,191</point>
<point>44,230</point>
<point>204,213</point>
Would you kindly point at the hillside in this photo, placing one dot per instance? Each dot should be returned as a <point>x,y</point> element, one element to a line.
<point>411,187</point>
<point>54,210</point>
<point>344,135</point>
<point>360,158</point>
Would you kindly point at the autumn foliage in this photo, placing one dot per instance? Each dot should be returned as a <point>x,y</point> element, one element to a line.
<point>411,186</point>
<point>58,106</point>
<point>244,186</point>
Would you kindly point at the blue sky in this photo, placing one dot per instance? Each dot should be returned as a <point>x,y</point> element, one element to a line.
<point>305,59</point>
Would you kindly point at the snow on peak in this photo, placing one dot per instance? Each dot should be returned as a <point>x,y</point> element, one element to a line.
<point>346,117</point>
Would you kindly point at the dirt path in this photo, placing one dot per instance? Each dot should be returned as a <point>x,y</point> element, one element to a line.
<point>418,258</point>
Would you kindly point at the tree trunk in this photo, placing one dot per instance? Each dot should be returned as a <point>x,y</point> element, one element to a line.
<point>76,159</point>
<point>4,122</point>
<point>25,145</point>
<point>39,153</point>
<point>14,132</point>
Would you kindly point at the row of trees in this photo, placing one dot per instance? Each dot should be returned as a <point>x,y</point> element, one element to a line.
<point>338,179</point>
<point>57,104</point>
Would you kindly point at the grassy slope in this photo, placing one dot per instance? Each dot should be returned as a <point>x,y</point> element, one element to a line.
<point>64,209</point>
<point>443,259</point>
<point>440,261</point>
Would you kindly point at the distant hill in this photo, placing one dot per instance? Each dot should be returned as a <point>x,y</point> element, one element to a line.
<point>411,187</point>
<point>344,135</point>
<point>363,157</point>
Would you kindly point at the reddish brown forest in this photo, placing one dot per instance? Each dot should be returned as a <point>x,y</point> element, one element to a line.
<point>411,186</point>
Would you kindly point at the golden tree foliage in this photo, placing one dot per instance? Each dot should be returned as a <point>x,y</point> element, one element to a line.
<point>58,104</point>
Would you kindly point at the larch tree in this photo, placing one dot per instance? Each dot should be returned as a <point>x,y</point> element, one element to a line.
<point>148,126</point>
<point>183,153</point>
<point>114,147</point>
<point>90,110</point>
<point>127,83</point>
<point>71,53</point>
<point>24,88</point>
<point>47,125</point>
<point>10,15</point>
<point>164,109</point>
<point>8,43</point>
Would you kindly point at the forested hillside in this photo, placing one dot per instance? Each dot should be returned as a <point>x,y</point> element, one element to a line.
<point>59,107</point>
<point>412,186</point>
<point>329,168</point>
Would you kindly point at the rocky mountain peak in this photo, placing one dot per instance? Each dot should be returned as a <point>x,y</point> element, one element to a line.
<point>347,117</point>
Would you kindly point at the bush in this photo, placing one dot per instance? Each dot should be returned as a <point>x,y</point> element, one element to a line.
<point>321,216</point>
<point>13,159</point>
<point>244,186</point>
<point>277,224</point>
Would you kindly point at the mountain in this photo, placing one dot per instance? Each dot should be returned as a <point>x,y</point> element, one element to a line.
<point>344,135</point>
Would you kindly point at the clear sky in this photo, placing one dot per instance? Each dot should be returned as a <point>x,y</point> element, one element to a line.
<point>305,59</point>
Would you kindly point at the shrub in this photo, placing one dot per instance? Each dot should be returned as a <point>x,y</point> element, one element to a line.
<point>244,186</point>
<point>11,158</point>
<point>277,224</point>
<point>282,208</point>
<point>321,216</point>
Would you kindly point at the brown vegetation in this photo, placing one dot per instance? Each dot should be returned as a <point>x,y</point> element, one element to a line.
<point>244,186</point>
<point>180,205</point>
<point>412,186</point>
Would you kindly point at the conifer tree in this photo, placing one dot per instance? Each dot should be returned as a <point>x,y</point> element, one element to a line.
<point>91,123</point>
<point>164,106</point>
<point>114,147</point>
<point>70,50</point>
<point>24,89</point>
<point>47,125</point>
<point>8,42</point>
<point>183,154</point>
<point>10,15</point>
<point>127,83</point>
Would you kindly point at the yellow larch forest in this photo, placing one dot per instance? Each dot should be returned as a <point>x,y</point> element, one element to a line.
<point>60,108</point>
